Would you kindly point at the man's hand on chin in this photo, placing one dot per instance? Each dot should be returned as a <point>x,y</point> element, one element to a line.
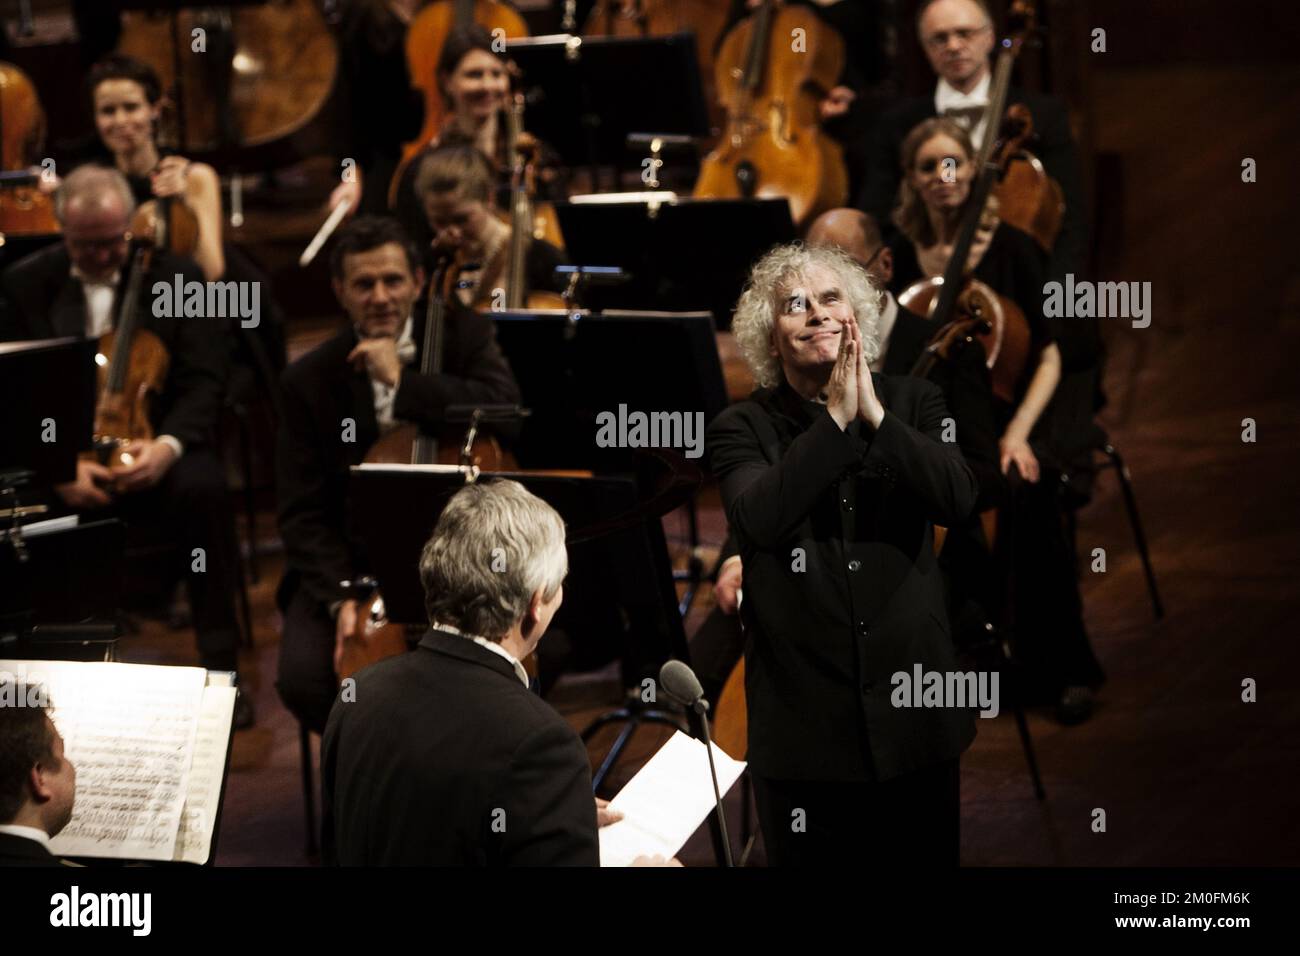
<point>379,359</point>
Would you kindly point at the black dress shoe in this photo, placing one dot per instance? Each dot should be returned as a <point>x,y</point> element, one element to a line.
<point>243,716</point>
<point>1075,705</point>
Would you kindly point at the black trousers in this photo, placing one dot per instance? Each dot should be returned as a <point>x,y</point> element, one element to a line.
<point>190,508</point>
<point>912,820</point>
<point>306,681</point>
<point>1046,606</point>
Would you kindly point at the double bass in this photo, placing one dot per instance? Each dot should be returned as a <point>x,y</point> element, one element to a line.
<point>257,86</point>
<point>773,144</point>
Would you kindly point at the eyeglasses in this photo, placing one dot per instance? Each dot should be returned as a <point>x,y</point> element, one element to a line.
<point>937,41</point>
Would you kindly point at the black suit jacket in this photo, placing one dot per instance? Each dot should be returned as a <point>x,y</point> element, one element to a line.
<point>445,759</point>
<point>20,851</point>
<point>825,638</point>
<point>320,391</point>
<point>1054,145</point>
<point>39,299</point>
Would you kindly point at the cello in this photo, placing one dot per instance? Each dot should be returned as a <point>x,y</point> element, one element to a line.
<point>1003,330</point>
<point>25,210</point>
<point>773,144</point>
<point>132,361</point>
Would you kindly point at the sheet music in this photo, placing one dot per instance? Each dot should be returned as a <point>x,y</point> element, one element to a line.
<point>130,729</point>
<point>666,801</point>
<point>199,817</point>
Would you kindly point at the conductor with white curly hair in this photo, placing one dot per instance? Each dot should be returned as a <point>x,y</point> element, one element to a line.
<point>833,478</point>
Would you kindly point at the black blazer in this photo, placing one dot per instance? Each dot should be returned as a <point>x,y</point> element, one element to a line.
<point>39,299</point>
<point>320,390</point>
<point>20,851</point>
<point>444,758</point>
<point>825,638</point>
<point>1054,145</point>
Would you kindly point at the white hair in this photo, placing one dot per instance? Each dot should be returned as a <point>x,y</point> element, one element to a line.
<point>770,282</point>
<point>90,184</point>
<point>496,544</point>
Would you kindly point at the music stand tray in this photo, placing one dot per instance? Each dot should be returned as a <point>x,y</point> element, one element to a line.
<point>584,95</point>
<point>683,256</point>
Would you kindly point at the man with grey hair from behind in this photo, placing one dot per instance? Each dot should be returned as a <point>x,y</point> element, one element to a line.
<point>832,478</point>
<point>443,756</point>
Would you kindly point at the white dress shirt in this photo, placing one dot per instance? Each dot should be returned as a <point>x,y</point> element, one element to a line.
<point>492,646</point>
<point>384,394</point>
<point>947,98</point>
<point>99,301</point>
<point>888,316</point>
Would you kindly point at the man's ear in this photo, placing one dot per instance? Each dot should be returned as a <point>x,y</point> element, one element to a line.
<point>419,280</point>
<point>36,779</point>
<point>337,286</point>
<point>886,260</point>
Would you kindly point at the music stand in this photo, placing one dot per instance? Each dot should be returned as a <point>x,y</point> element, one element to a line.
<point>571,369</point>
<point>47,379</point>
<point>683,256</point>
<point>585,95</point>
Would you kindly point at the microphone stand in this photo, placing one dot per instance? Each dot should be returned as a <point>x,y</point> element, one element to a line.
<point>701,707</point>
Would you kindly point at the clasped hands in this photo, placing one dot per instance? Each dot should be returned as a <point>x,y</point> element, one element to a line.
<point>850,393</point>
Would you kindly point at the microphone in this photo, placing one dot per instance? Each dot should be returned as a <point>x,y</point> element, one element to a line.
<point>679,681</point>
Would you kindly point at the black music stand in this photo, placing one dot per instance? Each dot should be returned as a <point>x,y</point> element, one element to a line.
<point>571,369</point>
<point>64,584</point>
<point>692,254</point>
<point>585,95</point>
<point>47,379</point>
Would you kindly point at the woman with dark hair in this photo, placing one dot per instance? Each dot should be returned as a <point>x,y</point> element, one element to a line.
<point>126,102</point>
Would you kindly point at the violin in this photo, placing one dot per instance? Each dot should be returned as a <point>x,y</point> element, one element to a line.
<point>132,360</point>
<point>773,144</point>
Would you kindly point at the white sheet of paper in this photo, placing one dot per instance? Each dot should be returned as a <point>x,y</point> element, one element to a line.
<point>198,819</point>
<point>130,730</point>
<point>666,801</point>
